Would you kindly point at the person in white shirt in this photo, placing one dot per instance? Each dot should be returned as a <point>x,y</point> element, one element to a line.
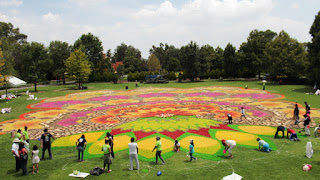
<point>14,150</point>
<point>133,154</point>
<point>243,114</point>
<point>229,145</point>
<point>176,146</point>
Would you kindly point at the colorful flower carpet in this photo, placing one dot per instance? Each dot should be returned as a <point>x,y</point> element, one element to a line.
<point>144,113</point>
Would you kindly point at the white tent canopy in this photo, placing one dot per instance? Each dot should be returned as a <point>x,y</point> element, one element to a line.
<point>14,81</point>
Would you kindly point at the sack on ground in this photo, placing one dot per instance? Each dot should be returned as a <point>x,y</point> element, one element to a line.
<point>96,171</point>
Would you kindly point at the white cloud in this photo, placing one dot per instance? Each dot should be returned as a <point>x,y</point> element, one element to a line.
<point>294,5</point>
<point>51,18</point>
<point>7,3</point>
<point>87,2</point>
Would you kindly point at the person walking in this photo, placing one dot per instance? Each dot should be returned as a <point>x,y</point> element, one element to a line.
<point>158,146</point>
<point>15,152</point>
<point>18,135</point>
<point>107,155</point>
<point>243,114</point>
<point>296,114</point>
<point>46,143</point>
<point>81,145</point>
<point>133,154</point>
<point>23,158</point>
<point>228,146</point>
<point>191,150</point>
<point>35,159</point>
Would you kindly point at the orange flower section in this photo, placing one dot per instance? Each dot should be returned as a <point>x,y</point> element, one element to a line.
<point>105,119</point>
<point>47,114</point>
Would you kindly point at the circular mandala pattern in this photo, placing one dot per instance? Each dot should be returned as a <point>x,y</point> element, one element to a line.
<point>144,113</point>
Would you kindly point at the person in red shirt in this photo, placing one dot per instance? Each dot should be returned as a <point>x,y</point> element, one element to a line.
<point>23,152</point>
<point>293,135</point>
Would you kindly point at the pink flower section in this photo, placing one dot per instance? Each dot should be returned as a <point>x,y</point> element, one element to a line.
<point>259,113</point>
<point>105,98</point>
<point>244,107</point>
<point>156,95</point>
<point>68,122</point>
<point>80,114</point>
<point>103,108</point>
<point>255,96</point>
<point>209,94</point>
<point>58,104</point>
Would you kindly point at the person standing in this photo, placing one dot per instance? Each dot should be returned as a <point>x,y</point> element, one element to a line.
<point>107,155</point>
<point>158,146</point>
<point>296,114</point>
<point>46,143</point>
<point>16,155</point>
<point>110,138</point>
<point>133,154</point>
<point>18,135</point>
<point>243,114</point>
<point>23,158</point>
<point>307,107</point>
<point>264,145</point>
<point>25,134</point>
<point>280,128</point>
<point>228,146</point>
<point>81,145</point>
<point>229,118</point>
<point>307,124</point>
<point>191,150</point>
<point>35,159</point>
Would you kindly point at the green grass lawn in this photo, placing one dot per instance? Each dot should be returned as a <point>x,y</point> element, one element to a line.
<point>284,163</point>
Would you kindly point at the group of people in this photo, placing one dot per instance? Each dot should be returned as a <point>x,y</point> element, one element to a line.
<point>307,118</point>
<point>243,115</point>
<point>20,150</point>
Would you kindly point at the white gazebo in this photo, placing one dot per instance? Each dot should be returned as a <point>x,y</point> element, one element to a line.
<point>14,81</point>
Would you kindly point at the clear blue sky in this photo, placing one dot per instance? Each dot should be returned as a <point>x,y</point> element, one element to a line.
<point>143,23</point>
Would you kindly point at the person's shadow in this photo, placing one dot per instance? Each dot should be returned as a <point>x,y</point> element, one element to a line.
<point>11,171</point>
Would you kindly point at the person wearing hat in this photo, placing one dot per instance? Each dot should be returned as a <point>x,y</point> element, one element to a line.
<point>264,145</point>
<point>191,150</point>
<point>14,150</point>
<point>229,145</point>
<point>159,150</point>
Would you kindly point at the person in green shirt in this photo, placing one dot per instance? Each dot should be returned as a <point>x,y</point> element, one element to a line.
<point>25,134</point>
<point>107,155</point>
<point>159,150</point>
<point>18,135</point>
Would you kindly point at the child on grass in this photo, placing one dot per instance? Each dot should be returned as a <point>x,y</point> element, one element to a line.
<point>35,159</point>
<point>264,145</point>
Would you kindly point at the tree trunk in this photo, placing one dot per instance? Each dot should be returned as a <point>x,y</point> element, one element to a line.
<point>64,79</point>
<point>259,75</point>
<point>35,87</point>
<point>79,87</point>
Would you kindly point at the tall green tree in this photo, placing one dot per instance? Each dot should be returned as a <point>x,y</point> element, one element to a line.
<point>59,52</point>
<point>153,63</point>
<point>251,53</point>
<point>190,60</point>
<point>230,61</point>
<point>132,61</point>
<point>160,53</point>
<point>314,51</point>
<point>119,53</point>
<point>78,67</point>
<point>286,57</point>
<point>92,46</point>
<point>36,63</point>
<point>172,56</point>
<point>11,43</point>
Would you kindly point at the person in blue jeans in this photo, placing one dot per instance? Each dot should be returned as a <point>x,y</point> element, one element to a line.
<point>191,150</point>
<point>265,146</point>
<point>81,146</point>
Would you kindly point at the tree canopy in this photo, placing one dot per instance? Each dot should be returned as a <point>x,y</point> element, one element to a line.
<point>153,63</point>
<point>314,49</point>
<point>78,67</point>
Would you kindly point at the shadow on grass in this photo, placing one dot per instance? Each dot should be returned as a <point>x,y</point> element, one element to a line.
<point>11,171</point>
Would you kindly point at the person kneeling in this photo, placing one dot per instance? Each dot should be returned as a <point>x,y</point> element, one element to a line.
<point>293,135</point>
<point>264,145</point>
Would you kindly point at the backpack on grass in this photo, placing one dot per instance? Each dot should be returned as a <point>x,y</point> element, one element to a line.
<point>96,171</point>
